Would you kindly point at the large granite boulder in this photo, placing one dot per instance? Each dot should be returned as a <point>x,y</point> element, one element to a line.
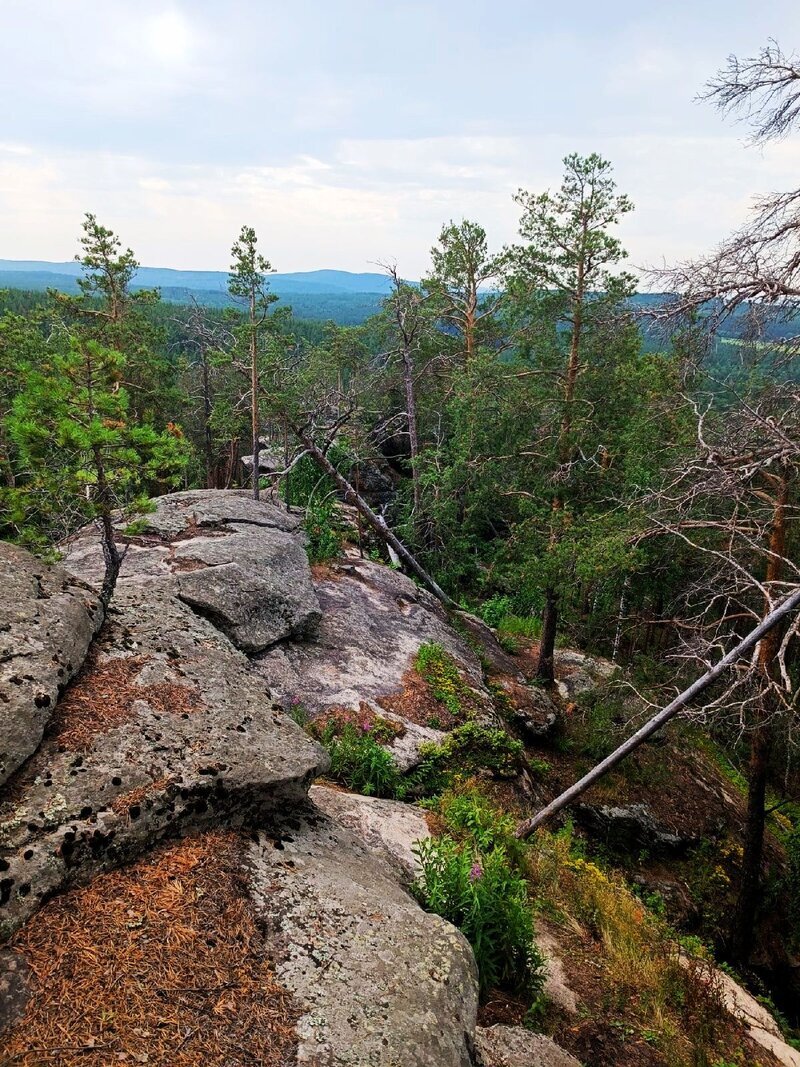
<point>379,980</point>
<point>166,730</point>
<point>239,562</point>
<point>47,621</point>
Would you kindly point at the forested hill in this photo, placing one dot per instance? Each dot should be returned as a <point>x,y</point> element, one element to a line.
<point>345,297</point>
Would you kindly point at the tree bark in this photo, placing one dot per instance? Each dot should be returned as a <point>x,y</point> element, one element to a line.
<point>744,921</point>
<point>545,668</point>
<point>376,524</point>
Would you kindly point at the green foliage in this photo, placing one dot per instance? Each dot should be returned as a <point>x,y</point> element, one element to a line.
<point>481,895</point>
<point>466,750</point>
<point>360,763</point>
<point>439,670</point>
<point>324,531</point>
<point>493,611</point>
<point>468,814</point>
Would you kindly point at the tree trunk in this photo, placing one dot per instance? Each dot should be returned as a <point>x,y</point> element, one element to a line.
<point>545,668</point>
<point>111,554</point>
<point>743,933</point>
<point>376,524</point>
<point>254,405</point>
<point>744,921</point>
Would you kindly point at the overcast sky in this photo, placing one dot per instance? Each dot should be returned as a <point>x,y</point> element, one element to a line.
<point>348,131</point>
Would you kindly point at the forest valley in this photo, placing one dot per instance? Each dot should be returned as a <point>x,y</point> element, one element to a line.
<point>502,433</point>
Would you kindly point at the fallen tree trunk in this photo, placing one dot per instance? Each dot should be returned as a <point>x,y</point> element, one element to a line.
<point>790,604</point>
<point>375,522</point>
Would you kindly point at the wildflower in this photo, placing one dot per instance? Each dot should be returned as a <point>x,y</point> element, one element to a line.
<point>476,872</point>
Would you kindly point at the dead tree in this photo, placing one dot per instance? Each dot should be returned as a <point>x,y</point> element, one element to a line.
<point>736,501</point>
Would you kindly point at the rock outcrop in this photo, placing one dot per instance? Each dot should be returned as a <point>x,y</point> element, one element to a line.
<point>513,1046</point>
<point>381,981</point>
<point>169,732</point>
<point>47,622</point>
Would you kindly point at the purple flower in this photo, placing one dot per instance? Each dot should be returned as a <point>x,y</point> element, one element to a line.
<point>476,872</point>
<point>366,727</point>
<point>294,701</point>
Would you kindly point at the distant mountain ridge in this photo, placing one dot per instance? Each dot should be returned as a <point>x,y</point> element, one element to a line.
<point>312,281</point>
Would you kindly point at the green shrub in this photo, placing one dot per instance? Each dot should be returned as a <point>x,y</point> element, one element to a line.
<point>324,532</point>
<point>468,814</point>
<point>494,610</point>
<point>483,897</point>
<point>529,626</point>
<point>359,762</point>
<point>439,670</point>
<point>465,751</point>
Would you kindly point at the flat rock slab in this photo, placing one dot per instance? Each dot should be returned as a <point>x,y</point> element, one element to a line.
<point>514,1046</point>
<point>388,828</point>
<point>47,622</point>
<point>167,730</point>
<point>194,508</point>
<point>380,981</point>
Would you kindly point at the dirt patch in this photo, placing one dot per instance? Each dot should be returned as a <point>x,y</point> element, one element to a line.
<point>102,697</point>
<point>180,566</point>
<point>160,964</point>
<point>416,703</point>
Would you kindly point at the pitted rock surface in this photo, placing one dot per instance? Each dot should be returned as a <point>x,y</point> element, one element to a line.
<point>193,741</point>
<point>381,981</point>
<point>47,622</point>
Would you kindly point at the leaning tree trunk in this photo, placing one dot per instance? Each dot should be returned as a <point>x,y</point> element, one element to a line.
<point>375,523</point>
<point>768,625</point>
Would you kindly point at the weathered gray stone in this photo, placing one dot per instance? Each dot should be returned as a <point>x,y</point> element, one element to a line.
<point>382,982</point>
<point>630,827</point>
<point>216,507</point>
<point>178,733</point>
<point>514,1046</point>
<point>373,623</point>
<point>388,828</point>
<point>239,562</point>
<point>46,625</point>
<point>255,585</point>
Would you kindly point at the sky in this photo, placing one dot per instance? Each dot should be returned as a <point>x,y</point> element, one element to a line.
<point>348,132</point>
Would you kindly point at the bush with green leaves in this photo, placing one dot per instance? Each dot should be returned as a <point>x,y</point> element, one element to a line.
<point>482,895</point>
<point>465,751</point>
<point>323,530</point>
<point>470,815</point>
<point>359,762</point>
